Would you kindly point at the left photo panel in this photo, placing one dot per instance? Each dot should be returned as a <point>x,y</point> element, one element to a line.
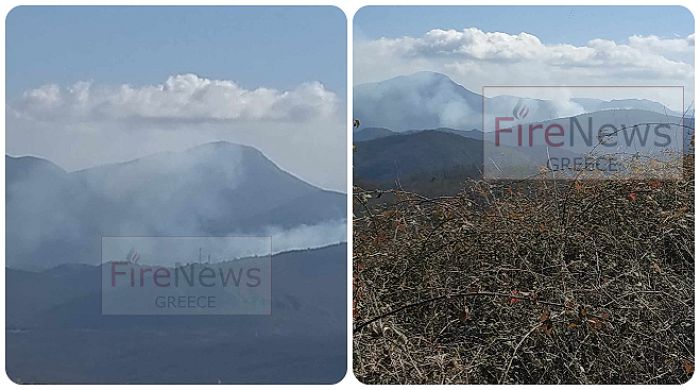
<point>176,195</point>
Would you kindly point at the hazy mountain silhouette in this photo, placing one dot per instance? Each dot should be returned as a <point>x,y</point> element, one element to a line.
<point>429,100</point>
<point>422,100</point>
<point>216,189</point>
<point>370,133</point>
<point>430,140</point>
<point>55,330</point>
<point>592,105</point>
<point>437,162</point>
<point>427,161</point>
<point>473,134</point>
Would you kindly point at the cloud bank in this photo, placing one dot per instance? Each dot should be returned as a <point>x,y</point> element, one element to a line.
<point>184,97</point>
<point>474,58</point>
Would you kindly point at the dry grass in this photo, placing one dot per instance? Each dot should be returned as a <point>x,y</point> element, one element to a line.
<point>533,282</point>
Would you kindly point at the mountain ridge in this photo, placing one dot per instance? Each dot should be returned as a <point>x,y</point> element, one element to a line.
<point>428,100</point>
<point>212,189</point>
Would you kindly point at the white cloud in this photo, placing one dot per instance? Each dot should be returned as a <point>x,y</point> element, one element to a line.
<point>185,97</point>
<point>302,129</point>
<point>474,44</point>
<point>661,45</point>
<point>475,58</point>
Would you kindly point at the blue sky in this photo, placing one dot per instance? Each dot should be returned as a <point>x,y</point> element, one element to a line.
<point>255,46</point>
<point>565,24</point>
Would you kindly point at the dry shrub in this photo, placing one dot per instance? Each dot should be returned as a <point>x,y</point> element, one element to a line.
<point>534,282</point>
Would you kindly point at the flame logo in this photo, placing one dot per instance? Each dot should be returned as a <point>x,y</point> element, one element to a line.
<point>133,256</point>
<point>520,110</point>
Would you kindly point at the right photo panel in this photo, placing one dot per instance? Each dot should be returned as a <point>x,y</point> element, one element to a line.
<point>523,196</point>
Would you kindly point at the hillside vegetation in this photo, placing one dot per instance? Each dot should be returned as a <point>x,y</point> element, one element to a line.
<point>534,282</point>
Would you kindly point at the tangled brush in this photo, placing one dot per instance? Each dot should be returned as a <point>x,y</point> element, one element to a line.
<point>540,281</point>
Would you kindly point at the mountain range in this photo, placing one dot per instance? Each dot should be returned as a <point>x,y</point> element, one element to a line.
<point>217,189</point>
<point>429,162</point>
<point>424,132</point>
<point>429,100</point>
<point>56,331</point>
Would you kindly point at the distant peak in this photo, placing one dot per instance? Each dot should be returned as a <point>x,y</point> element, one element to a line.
<point>32,161</point>
<point>224,146</point>
<point>220,144</point>
<point>426,76</point>
<point>429,73</point>
<point>420,77</point>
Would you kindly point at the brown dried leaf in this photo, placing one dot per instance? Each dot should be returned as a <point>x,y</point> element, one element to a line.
<point>688,367</point>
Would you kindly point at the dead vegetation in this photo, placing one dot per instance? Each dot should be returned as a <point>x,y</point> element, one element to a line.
<point>533,282</point>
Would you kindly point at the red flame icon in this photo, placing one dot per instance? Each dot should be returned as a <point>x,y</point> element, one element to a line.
<point>133,256</point>
<point>520,110</point>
